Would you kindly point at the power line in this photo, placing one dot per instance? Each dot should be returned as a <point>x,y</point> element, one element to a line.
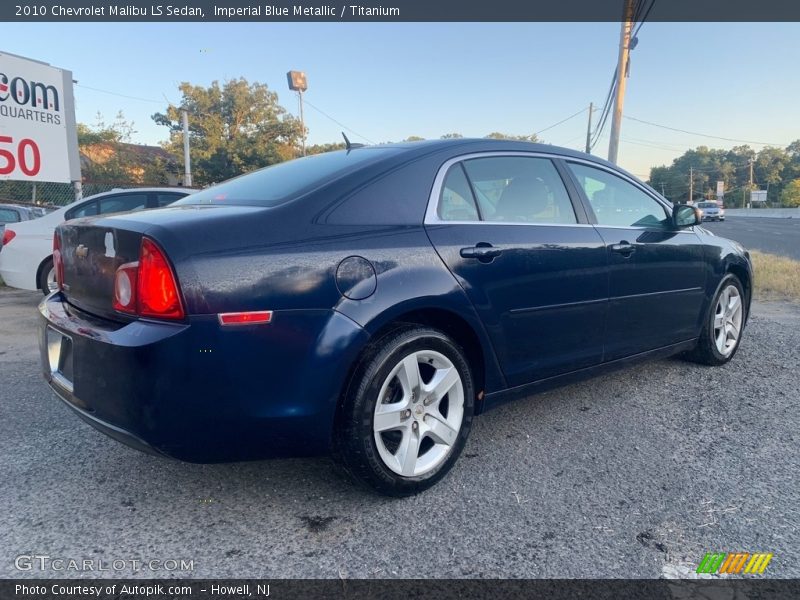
<point>94,89</point>
<point>581,111</point>
<point>339,123</point>
<point>644,18</point>
<point>601,122</point>
<point>716,137</point>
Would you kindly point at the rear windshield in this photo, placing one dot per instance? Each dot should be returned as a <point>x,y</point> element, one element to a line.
<point>8,215</point>
<point>279,183</point>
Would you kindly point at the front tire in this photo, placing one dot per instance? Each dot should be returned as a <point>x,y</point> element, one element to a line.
<point>407,413</point>
<point>47,277</point>
<point>722,330</point>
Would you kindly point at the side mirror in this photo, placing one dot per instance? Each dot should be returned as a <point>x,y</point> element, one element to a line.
<point>684,215</point>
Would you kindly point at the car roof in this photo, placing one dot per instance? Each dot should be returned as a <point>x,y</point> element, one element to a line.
<point>468,145</point>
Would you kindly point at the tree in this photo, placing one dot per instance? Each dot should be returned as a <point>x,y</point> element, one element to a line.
<point>234,128</point>
<point>790,196</point>
<point>321,148</point>
<point>496,135</point>
<point>414,138</point>
<point>107,156</point>
<point>452,136</point>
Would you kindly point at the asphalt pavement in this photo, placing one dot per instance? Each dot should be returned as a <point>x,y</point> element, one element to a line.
<point>627,475</point>
<point>776,236</point>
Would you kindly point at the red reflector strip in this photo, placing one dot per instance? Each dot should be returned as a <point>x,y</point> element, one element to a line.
<point>245,318</point>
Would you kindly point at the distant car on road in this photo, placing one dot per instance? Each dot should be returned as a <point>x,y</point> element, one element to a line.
<point>369,302</point>
<point>26,261</point>
<point>711,211</point>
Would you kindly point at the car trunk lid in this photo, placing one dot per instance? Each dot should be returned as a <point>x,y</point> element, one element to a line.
<point>91,256</point>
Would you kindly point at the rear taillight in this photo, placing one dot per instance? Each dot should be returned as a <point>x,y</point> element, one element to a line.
<point>8,235</point>
<point>125,288</point>
<point>148,287</point>
<point>58,261</point>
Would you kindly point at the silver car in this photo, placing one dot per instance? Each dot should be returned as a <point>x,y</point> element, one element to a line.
<point>711,211</point>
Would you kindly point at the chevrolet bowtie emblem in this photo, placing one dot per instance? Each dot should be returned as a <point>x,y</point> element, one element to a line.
<point>81,251</point>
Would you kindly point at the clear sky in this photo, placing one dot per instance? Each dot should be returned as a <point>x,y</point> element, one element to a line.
<point>391,81</point>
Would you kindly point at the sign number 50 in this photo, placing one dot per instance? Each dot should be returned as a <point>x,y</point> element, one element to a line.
<point>28,157</point>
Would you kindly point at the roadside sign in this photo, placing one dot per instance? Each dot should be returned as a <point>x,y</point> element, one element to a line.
<point>720,190</point>
<point>38,137</point>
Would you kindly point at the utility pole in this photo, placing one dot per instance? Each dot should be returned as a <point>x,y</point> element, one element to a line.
<point>589,130</point>
<point>187,161</point>
<point>750,185</point>
<point>691,184</point>
<point>298,83</point>
<point>302,120</point>
<point>622,77</point>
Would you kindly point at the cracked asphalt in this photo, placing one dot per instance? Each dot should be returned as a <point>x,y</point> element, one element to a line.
<point>627,475</point>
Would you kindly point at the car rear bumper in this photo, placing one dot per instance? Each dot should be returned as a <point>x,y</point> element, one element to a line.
<point>200,392</point>
<point>15,278</point>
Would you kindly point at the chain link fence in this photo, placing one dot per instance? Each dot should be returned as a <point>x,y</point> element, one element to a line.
<point>52,194</point>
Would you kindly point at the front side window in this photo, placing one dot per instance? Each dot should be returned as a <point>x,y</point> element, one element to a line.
<point>616,202</point>
<point>518,189</point>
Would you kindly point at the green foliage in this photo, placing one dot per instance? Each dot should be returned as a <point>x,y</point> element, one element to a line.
<point>790,196</point>
<point>495,135</point>
<point>120,131</point>
<point>234,128</point>
<point>414,138</point>
<point>773,168</point>
<point>452,136</point>
<point>321,148</point>
<point>107,156</point>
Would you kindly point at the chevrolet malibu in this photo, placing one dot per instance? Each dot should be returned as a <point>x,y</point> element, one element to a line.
<point>370,302</point>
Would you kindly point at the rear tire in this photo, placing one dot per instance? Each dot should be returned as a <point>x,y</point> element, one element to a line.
<point>724,324</point>
<point>47,276</point>
<point>407,412</point>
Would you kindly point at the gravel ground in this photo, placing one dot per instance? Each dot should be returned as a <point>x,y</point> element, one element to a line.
<point>635,474</point>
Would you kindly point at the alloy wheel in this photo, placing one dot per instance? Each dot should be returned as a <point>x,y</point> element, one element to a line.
<point>419,412</point>
<point>52,285</point>
<point>728,320</point>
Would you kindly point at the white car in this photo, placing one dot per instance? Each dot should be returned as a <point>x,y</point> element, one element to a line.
<point>26,261</point>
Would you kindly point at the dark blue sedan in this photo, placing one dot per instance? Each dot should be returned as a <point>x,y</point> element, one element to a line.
<point>370,302</point>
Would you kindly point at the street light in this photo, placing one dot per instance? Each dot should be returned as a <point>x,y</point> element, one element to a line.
<point>297,82</point>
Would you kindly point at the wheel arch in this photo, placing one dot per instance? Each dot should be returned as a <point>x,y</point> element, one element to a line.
<point>485,371</point>
<point>39,270</point>
<point>745,275</point>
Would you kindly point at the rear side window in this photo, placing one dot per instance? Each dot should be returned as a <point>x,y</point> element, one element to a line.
<point>518,189</point>
<point>8,215</point>
<point>457,202</point>
<point>167,199</point>
<point>85,210</point>
<point>122,203</point>
<point>282,182</point>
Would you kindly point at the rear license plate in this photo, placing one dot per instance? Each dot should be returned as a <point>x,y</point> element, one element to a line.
<point>59,354</point>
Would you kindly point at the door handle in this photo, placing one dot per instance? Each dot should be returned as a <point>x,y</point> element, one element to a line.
<point>624,248</point>
<point>485,253</point>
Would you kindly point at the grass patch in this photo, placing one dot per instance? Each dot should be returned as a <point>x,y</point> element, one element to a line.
<point>776,277</point>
